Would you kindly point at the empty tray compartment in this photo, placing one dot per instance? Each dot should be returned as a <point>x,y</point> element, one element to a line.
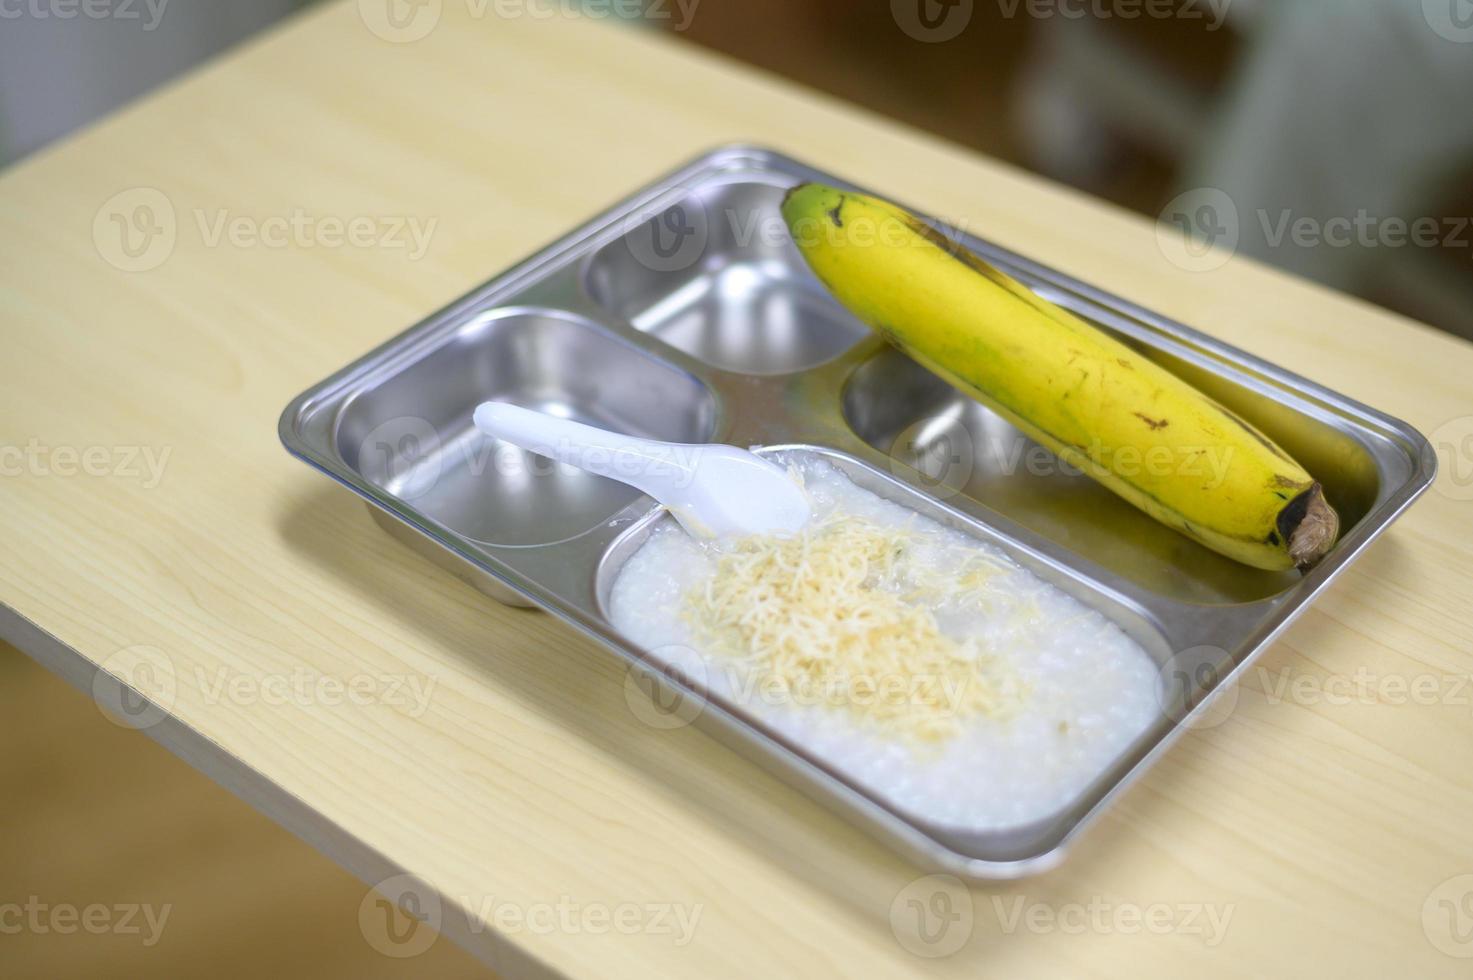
<point>717,276</point>
<point>412,433</point>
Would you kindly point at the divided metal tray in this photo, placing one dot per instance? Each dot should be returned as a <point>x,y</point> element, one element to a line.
<point>685,314</point>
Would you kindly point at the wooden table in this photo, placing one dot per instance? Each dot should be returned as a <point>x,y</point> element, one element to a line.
<point>1323,819</point>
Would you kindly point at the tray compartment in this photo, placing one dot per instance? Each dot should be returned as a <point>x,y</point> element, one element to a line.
<point>412,434</point>
<point>960,447</point>
<point>1004,843</point>
<point>717,276</point>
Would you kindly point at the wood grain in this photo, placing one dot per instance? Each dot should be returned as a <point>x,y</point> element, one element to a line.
<point>526,781</point>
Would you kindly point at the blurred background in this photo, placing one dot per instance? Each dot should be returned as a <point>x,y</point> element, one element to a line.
<point>1328,137</point>
<point>1331,138</point>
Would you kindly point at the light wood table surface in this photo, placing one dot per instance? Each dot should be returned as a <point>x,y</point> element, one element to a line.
<point>1323,819</point>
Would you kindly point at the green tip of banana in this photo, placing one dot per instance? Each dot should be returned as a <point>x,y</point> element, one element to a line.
<point>1098,404</point>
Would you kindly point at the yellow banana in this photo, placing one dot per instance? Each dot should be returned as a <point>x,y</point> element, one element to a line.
<point>1102,407</point>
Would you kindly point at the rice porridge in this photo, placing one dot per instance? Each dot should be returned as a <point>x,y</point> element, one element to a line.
<point>918,661</point>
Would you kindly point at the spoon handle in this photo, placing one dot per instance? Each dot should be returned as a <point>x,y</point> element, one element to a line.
<point>651,466</point>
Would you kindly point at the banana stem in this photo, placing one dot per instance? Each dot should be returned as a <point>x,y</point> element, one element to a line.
<point>1313,534</point>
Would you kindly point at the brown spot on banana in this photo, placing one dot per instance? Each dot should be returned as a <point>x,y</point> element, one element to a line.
<point>836,213</point>
<point>1155,424</point>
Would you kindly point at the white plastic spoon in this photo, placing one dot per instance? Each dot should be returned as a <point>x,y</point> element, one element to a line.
<point>714,491</point>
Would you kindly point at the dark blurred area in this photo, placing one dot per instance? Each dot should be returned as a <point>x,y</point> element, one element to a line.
<point>98,814</point>
<point>1002,84</point>
<point>1331,138</point>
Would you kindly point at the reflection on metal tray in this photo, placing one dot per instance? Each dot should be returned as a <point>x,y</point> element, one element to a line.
<point>686,314</point>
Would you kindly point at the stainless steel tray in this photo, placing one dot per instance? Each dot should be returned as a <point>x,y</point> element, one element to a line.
<point>685,314</point>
